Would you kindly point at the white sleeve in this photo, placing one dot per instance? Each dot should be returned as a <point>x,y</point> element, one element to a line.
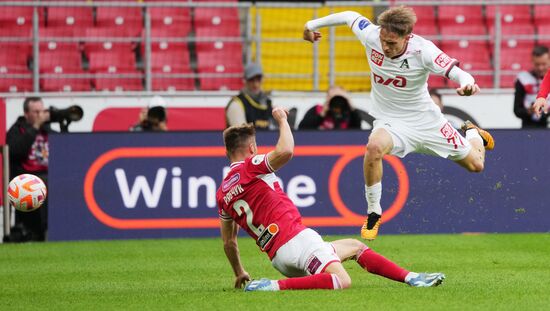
<point>436,60</point>
<point>461,77</point>
<point>354,20</point>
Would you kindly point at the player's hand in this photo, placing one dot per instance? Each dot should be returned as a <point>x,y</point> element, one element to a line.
<point>539,106</point>
<point>279,114</point>
<point>241,279</point>
<point>467,90</point>
<point>311,36</point>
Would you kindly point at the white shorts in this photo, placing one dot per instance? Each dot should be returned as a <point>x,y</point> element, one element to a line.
<point>305,254</point>
<point>441,139</point>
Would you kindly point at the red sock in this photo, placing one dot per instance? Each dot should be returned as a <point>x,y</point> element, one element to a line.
<point>317,281</point>
<point>377,264</point>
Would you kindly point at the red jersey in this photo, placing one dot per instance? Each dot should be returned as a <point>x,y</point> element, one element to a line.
<point>251,195</point>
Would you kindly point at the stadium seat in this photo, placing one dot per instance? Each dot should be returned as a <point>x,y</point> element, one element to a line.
<point>127,18</point>
<point>107,40</point>
<point>472,55</point>
<point>51,39</point>
<point>544,29</point>
<point>217,22</point>
<point>508,81</point>
<point>510,14</point>
<point>60,61</point>
<point>437,82</point>
<point>108,81</point>
<point>209,66</point>
<point>516,59</point>
<point>514,29</point>
<point>449,15</point>
<point>540,14</point>
<point>112,62</point>
<point>12,59</point>
<point>162,82</point>
<point>168,61</point>
<point>60,82</point>
<point>178,20</point>
<point>16,17</point>
<point>18,39</point>
<point>162,39</point>
<point>22,83</point>
<point>462,30</point>
<point>75,18</point>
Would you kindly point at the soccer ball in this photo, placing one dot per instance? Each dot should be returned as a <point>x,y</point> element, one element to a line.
<point>26,192</point>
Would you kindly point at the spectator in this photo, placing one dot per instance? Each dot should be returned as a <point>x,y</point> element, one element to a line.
<point>527,87</point>
<point>28,142</point>
<point>251,105</point>
<point>336,112</point>
<point>153,117</point>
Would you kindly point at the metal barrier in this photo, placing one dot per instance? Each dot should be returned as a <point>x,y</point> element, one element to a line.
<point>6,179</point>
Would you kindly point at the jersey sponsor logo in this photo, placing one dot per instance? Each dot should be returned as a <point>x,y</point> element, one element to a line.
<point>235,191</point>
<point>257,160</point>
<point>363,24</point>
<point>377,57</point>
<point>267,235</point>
<point>313,264</point>
<point>404,65</point>
<point>230,182</point>
<point>443,60</point>
<point>398,81</point>
<point>451,135</point>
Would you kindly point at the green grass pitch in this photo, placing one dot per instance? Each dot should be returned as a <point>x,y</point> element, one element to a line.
<point>484,272</point>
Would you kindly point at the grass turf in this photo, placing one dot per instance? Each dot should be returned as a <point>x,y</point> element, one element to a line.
<point>484,272</point>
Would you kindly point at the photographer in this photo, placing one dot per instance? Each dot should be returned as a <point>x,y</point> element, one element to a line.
<point>527,87</point>
<point>28,142</point>
<point>153,117</point>
<point>336,113</point>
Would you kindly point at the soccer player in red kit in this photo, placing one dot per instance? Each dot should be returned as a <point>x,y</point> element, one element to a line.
<point>251,198</point>
<point>541,104</point>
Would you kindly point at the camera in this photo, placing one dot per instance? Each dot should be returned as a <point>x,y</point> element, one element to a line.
<point>65,116</point>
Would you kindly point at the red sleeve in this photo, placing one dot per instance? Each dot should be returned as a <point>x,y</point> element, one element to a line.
<point>545,86</point>
<point>257,165</point>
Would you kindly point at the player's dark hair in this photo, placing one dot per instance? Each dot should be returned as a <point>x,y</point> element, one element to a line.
<point>399,20</point>
<point>539,50</point>
<point>29,100</point>
<point>237,137</point>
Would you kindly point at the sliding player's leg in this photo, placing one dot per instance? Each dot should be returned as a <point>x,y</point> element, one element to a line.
<point>480,140</point>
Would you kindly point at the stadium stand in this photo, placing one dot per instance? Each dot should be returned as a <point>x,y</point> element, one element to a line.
<point>73,18</point>
<point>119,17</point>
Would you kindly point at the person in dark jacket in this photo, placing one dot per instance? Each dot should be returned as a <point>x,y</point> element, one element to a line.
<point>336,112</point>
<point>27,139</point>
<point>527,86</point>
<point>252,104</point>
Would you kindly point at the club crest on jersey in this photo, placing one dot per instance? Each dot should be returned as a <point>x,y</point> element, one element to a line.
<point>404,64</point>
<point>443,60</point>
<point>256,160</point>
<point>363,24</point>
<point>377,57</point>
<point>230,182</point>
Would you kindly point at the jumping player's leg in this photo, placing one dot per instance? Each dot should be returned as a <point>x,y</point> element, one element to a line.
<point>480,140</point>
<point>378,264</point>
<point>380,143</point>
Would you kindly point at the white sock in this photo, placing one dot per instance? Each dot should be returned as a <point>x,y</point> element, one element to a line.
<point>275,285</point>
<point>373,194</point>
<point>410,275</point>
<point>472,134</point>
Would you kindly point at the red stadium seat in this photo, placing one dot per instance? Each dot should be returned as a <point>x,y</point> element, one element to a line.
<point>105,40</point>
<point>51,39</point>
<point>127,18</point>
<point>75,18</point>
<point>424,13</point>
<point>544,29</point>
<point>169,63</point>
<point>514,29</point>
<point>220,58</point>
<point>437,82</point>
<point>218,22</point>
<point>161,82</point>
<point>426,30</point>
<point>483,81</point>
<point>112,62</point>
<point>21,83</point>
<point>510,14</point>
<point>18,39</point>
<point>16,17</point>
<point>462,30</point>
<point>225,49</point>
<point>508,81</point>
<point>12,59</point>
<point>162,39</point>
<point>107,81</point>
<point>176,19</point>
<point>516,59</point>
<point>59,82</point>
<point>460,15</point>
<point>540,14</point>
<point>472,55</point>
<point>60,61</point>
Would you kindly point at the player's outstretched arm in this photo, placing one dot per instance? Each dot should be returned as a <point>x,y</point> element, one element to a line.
<point>336,19</point>
<point>467,83</point>
<point>229,230</point>
<point>285,145</point>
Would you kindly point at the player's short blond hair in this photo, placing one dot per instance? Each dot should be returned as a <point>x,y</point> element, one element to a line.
<point>399,20</point>
<point>237,137</point>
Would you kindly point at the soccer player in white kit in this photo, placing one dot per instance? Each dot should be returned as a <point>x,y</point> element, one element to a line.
<point>407,120</point>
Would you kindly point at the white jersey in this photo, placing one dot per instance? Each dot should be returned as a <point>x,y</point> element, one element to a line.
<point>399,84</point>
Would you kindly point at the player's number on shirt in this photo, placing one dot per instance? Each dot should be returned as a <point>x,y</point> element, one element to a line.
<point>242,207</point>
